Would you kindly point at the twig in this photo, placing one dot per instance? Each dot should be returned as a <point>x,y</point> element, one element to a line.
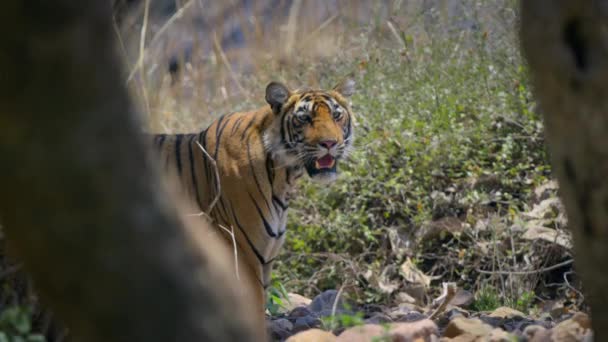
<point>218,186</point>
<point>449,291</point>
<point>236,259</point>
<point>123,47</point>
<point>291,27</point>
<point>541,270</point>
<point>572,287</point>
<point>224,59</point>
<point>178,14</point>
<point>140,60</point>
<point>321,27</point>
<point>335,306</point>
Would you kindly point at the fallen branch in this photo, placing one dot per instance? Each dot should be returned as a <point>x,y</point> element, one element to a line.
<point>542,270</point>
<point>449,291</point>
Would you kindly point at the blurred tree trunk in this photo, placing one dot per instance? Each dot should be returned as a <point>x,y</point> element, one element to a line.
<point>566,45</point>
<point>79,204</point>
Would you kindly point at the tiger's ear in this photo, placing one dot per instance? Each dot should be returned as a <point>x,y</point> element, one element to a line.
<point>346,88</point>
<point>276,95</point>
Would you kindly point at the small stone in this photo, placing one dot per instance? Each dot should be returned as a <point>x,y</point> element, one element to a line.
<point>305,323</point>
<point>295,300</point>
<point>280,328</point>
<point>362,333</point>
<point>323,304</point>
<point>463,298</point>
<point>405,332</point>
<point>378,318</point>
<point>312,335</point>
<point>506,312</point>
<point>531,331</point>
<point>499,335</point>
<point>460,326</point>
<point>402,297</point>
<point>300,311</point>
<point>573,329</point>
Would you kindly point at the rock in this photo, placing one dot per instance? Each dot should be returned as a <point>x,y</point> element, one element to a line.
<point>405,332</point>
<point>406,313</point>
<point>506,312</point>
<point>378,318</point>
<point>536,333</point>
<point>280,328</point>
<point>362,333</point>
<point>575,329</point>
<point>402,297</point>
<point>472,326</point>
<point>499,335</point>
<point>463,299</point>
<point>299,311</point>
<point>323,304</point>
<point>312,335</point>
<point>296,300</point>
<point>396,332</point>
<point>305,323</point>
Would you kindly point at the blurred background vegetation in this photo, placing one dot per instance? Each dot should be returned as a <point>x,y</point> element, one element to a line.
<point>449,177</point>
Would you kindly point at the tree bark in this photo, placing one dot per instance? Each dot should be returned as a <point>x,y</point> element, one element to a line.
<point>566,45</point>
<point>81,205</point>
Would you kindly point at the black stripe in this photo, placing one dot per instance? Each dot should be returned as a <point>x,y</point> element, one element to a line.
<point>255,177</point>
<point>178,157</point>
<point>249,124</point>
<point>218,133</point>
<point>255,251</point>
<point>270,169</point>
<point>161,140</point>
<point>221,211</point>
<point>192,171</point>
<point>236,125</point>
<point>278,201</point>
<point>267,226</point>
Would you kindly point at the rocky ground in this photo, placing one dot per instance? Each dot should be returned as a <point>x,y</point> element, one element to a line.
<point>529,250</point>
<point>323,319</point>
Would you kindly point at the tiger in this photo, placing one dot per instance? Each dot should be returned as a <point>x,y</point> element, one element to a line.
<point>241,170</point>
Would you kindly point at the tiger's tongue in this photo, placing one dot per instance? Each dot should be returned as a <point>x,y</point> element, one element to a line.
<point>325,162</point>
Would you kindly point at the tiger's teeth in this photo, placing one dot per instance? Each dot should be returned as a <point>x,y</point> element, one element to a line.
<point>317,165</point>
<point>332,164</point>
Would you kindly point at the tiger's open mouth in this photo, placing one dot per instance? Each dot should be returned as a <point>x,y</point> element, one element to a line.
<point>325,164</point>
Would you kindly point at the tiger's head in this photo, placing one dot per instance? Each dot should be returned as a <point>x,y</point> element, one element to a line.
<point>312,129</point>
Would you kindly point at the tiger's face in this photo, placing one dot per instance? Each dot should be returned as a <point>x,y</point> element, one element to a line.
<point>312,129</point>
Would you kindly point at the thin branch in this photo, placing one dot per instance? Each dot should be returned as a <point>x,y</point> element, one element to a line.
<point>234,247</point>
<point>218,186</point>
<point>291,27</point>
<point>318,30</point>
<point>335,306</point>
<point>449,291</point>
<point>178,14</point>
<point>541,270</point>
<point>140,61</point>
<point>224,59</point>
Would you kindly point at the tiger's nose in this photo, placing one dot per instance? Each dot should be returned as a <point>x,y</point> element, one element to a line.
<point>328,144</point>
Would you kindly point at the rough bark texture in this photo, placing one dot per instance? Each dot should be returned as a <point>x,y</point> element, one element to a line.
<point>566,45</point>
<point>78,201</point>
